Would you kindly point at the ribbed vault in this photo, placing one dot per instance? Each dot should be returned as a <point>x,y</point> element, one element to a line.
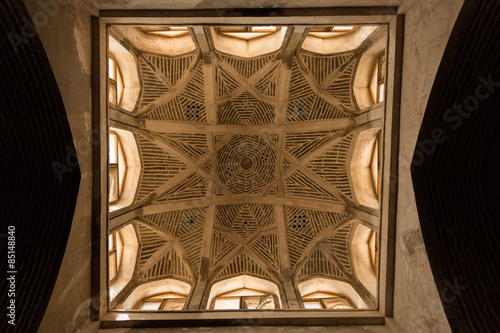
<point>246,166</point>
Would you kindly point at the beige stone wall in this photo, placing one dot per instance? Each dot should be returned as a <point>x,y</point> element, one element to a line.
<point>65,34</point>
<point>427,29</point>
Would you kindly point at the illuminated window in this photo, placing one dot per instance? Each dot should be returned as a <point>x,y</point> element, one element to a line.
<point>115,247</point>
<point>168,302</point>
<point>247,33</point>
<point>117,167</point>
<point>167,31</point>
<point>115,82</point>
<point>373,246</point>
<point>377,85</point>
<point>244,299</point>
<point>327,32</point>
<point>326,301</point>
<point>376,165</point>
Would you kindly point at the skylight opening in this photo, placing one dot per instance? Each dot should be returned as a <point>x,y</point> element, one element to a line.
<point>334,31</point>
<point>264,29</point>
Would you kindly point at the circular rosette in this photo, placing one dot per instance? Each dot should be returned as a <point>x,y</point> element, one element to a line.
<point>246,164</point>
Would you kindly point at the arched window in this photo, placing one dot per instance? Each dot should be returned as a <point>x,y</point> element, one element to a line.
<point>377,85</point>
<point>244,299</point>
<point>115,82</point>
<point>364,251</point>
<point>115,248</point>
<point>373,246</point>
<point>321,300</point>
<point>169,302</point>
<point>376,165</point>
<point>117,167</point>
<point>169,31</point>
<point>327,32</point>
<point>122,253</point>
<point>169,294</point>
<point>366,167</point>
<point>247,33</point>
<point>328,293</point>
<point>249,41</point>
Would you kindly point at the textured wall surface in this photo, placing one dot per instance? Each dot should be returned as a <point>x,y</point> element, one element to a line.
<point>209,4</point>
<point>257,329</point>
<point>428,25</point>
<point>65,34</point>
<point>456,176</point>
<point>40,176</point>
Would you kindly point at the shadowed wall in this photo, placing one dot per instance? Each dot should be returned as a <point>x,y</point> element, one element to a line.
<point>456,165</point>
<point>39,172</point>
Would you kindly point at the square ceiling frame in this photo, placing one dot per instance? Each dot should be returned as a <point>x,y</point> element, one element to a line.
<point>100,121</point>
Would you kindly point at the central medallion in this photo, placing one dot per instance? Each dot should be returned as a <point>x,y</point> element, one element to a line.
<point>246,163</point>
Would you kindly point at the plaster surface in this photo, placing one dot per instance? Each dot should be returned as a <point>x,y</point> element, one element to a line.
<point>256,329</point>
<point>155,288</point>
<point>65,36</point>
<point>210,4</point>
<point>428,25</point>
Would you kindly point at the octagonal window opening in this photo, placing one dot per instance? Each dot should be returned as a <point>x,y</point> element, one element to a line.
<point>373,246</point>
<point>364,247</point>
<point>377,84</point>
<point>247,33</point>
<point>166,302</point>
<point>376,165</point>
<point>168,294</point>
<point>115,249</point>
<point>123,247</point>
<point>321,300</point>
<point>247,41</point>
<point>318,287</point>
<point>115,82</point>
<point>244,299</point>
<point>333,31</point>
<point>167,31</point>
<point>117,167</point>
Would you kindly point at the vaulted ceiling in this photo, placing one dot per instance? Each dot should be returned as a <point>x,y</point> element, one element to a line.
<point>245,164</point>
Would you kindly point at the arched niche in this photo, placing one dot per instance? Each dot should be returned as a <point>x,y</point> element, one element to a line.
<point>133,173</point>
<point>365,70</point>
<point>337,44</point>
<point>127,66</point>
<point>361,168</point>
<point>248,48</point>
<point>153,43</point>
<point>362,258</point>
<point>242,282</point>
<point>130,247</point>
<point>149,289</point>
<point>331,286</point>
